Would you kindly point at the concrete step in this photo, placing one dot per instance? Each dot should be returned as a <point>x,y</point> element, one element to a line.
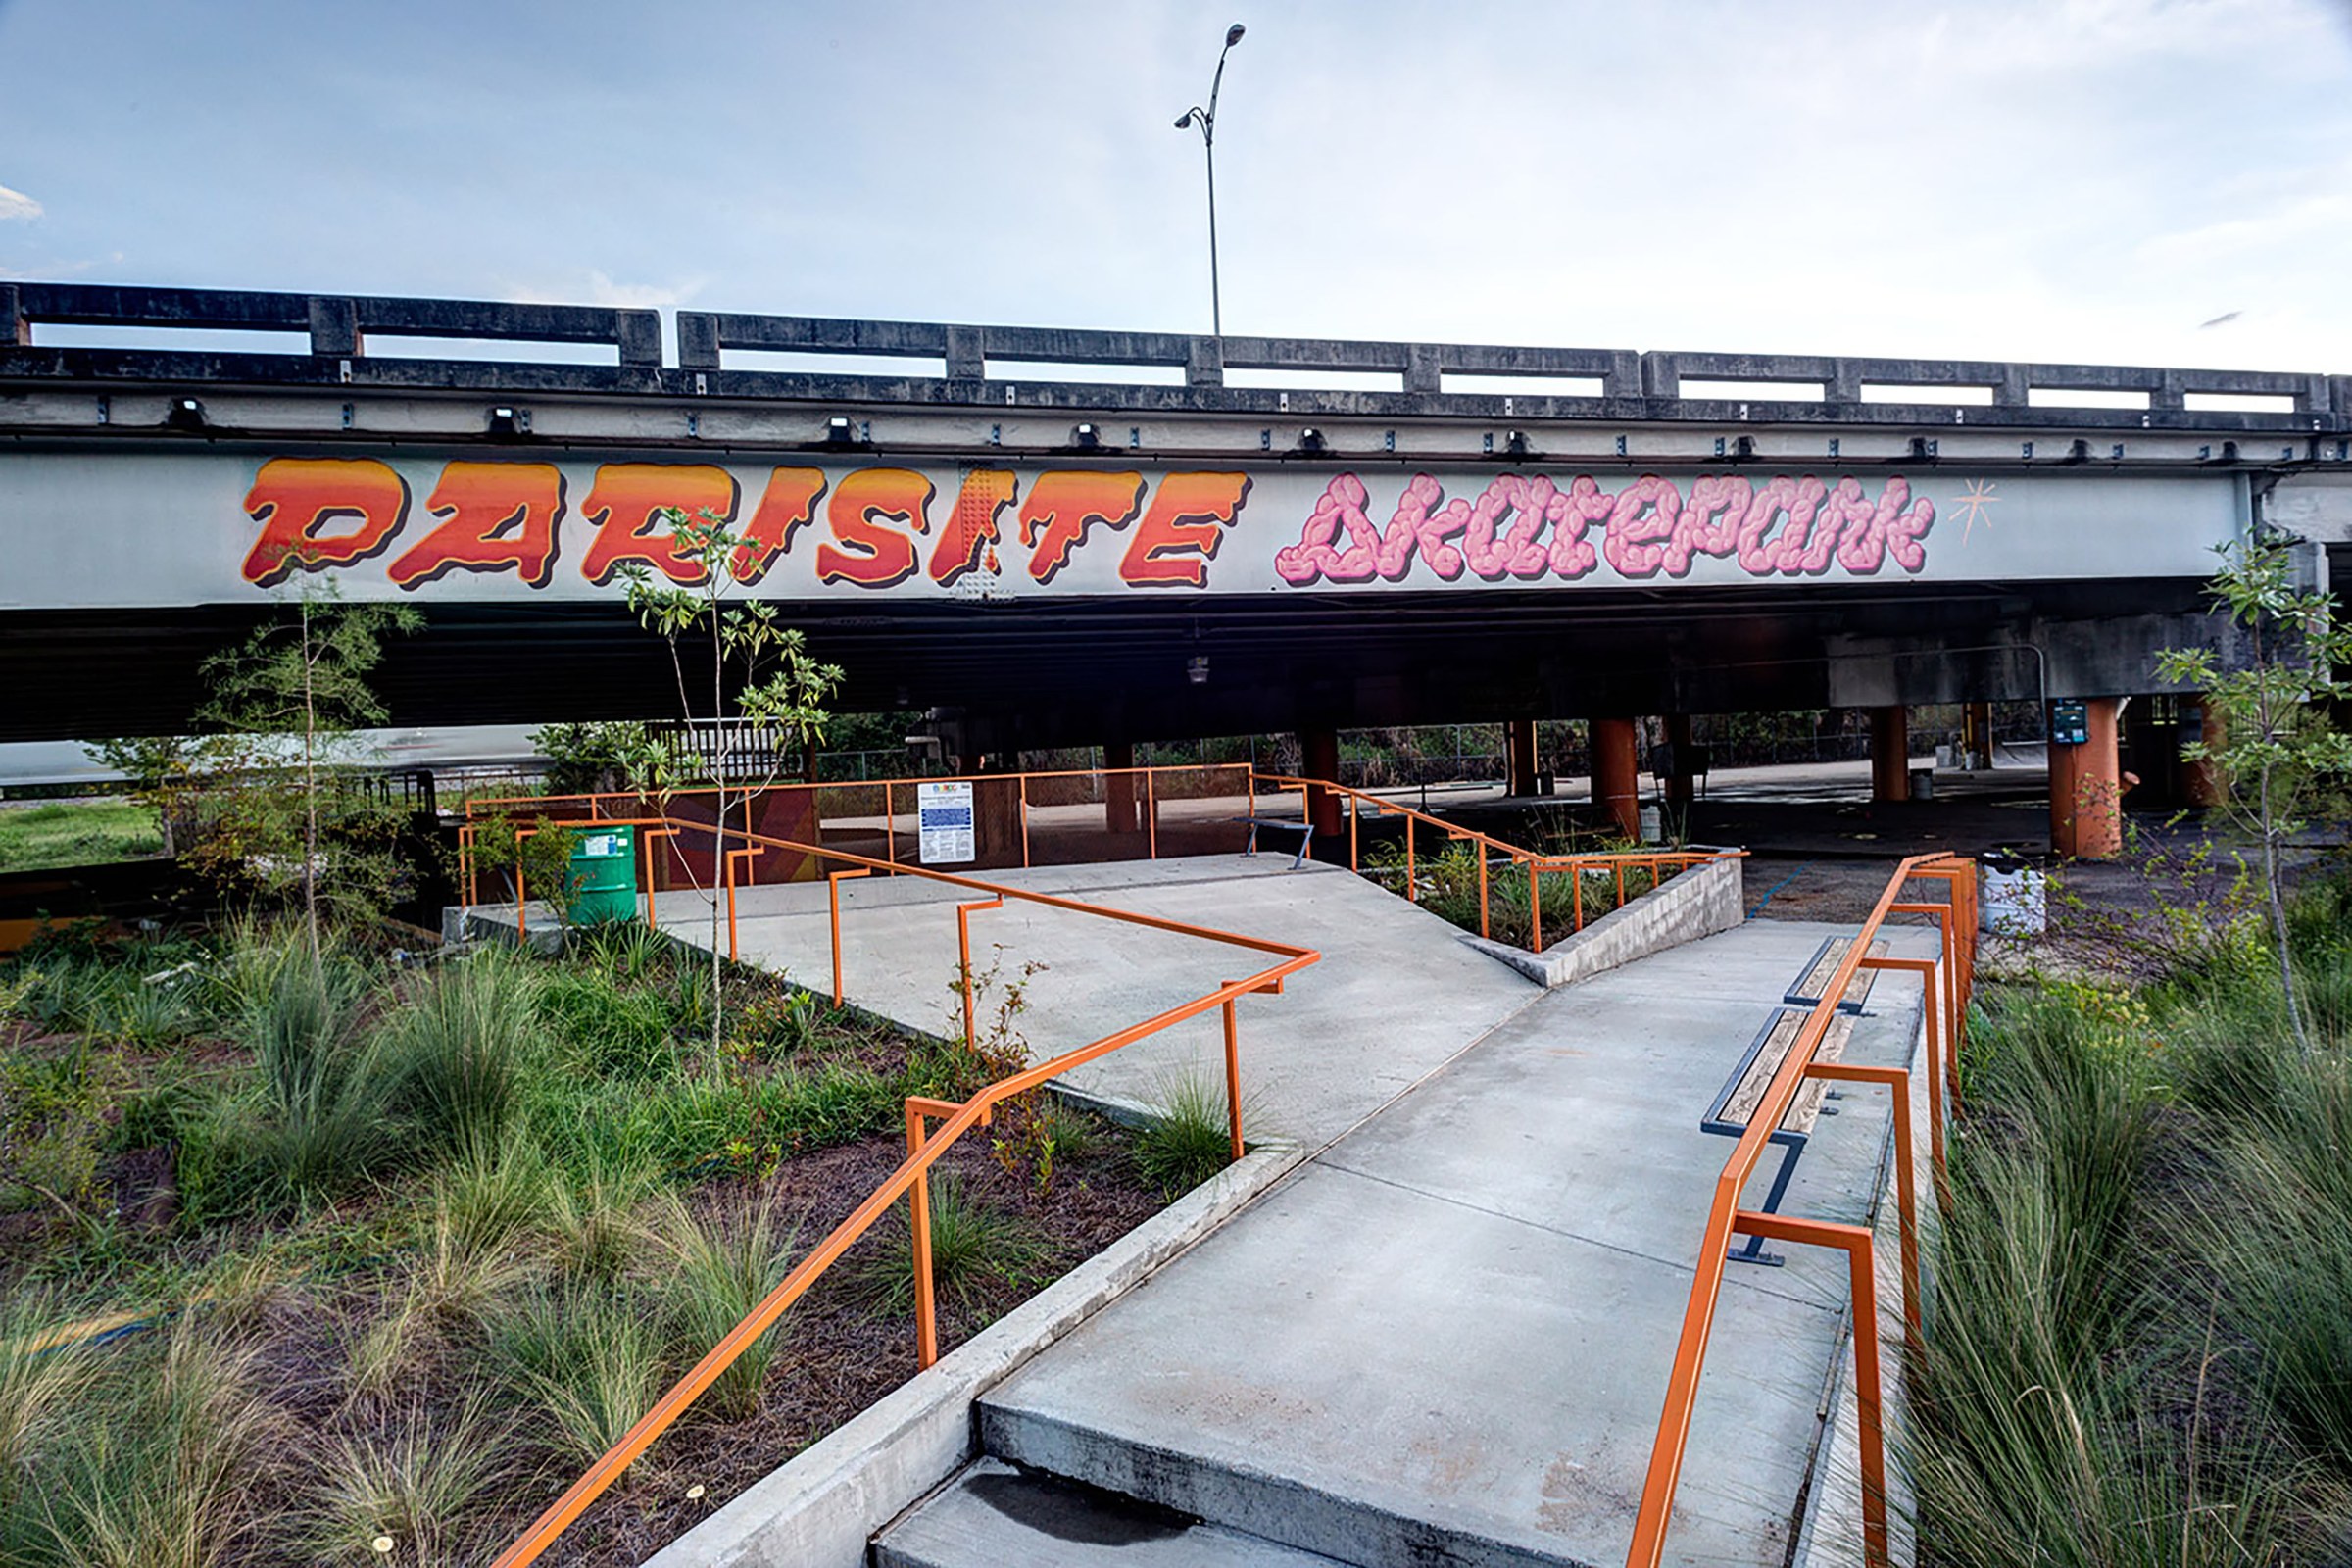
<point>1243,1504</point>
<point>996,1515</point>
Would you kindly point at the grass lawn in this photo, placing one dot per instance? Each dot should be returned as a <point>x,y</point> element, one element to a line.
<point>296,1260</point>
<point>59,833</point>
<point>2140,1347</point>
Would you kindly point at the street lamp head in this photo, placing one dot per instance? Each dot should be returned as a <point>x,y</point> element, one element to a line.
<point>1233,36</point>
<point>1184,121</point>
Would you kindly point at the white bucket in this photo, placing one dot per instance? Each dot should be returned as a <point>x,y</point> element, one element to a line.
<point>2015,902</point>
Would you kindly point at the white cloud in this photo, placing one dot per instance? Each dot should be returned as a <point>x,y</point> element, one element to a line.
<point>15,204</point>
<point>599,287</point>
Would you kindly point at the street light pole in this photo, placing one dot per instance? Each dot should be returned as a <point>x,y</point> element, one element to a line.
<point>1206,119</point>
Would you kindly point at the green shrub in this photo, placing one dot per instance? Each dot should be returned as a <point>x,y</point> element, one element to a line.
<point>53,1127</point>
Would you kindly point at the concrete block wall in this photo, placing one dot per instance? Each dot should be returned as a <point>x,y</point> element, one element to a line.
<point>1699,903</point>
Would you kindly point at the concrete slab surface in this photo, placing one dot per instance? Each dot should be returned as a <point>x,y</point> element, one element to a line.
<point>1448,1337</point>
<point>997,1515</point>
<point>1397,994</point>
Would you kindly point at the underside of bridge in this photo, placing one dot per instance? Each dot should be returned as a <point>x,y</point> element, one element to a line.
<point>1028,673</point>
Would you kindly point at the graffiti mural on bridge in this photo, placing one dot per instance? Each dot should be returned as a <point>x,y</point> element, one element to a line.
<point>1783,525</point>
<point>214,524</point>
<point>878,527</point>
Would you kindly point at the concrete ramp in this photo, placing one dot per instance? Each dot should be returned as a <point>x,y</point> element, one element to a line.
<point>1447,1338</point>
<point>1396,996</point>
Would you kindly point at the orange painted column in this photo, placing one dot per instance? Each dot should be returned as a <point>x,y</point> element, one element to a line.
<point>1119,790</point>
<point>1616,786</point>
<point>2201,783</point>
<point>2087,816</point>
<point>1891,754</point>
<point>1319,751</point>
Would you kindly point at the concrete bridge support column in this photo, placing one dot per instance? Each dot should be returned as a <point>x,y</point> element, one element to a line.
<point>2087,816</point>
<point>2201,783</point>
<point>1680,782</point>
<point>1118,789</point>
<point>1976,734</point>
<point>1891,754</point>
<point>1519,757</point>
<point>1616,774</point>
<point>1320,753</point>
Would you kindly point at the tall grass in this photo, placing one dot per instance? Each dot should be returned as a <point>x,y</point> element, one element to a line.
<point>166,1470</point>
<point>423,1484</point>
<point>460,1047</point>
<point>586,1360</point>
<point>1189,1140</point>
<point>2141,1312</point>
<point>327,1093</point>
<point>41,1387</point>
<point>714,1276</point>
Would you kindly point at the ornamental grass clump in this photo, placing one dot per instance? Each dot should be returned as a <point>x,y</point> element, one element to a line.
<point>2139,1329</point>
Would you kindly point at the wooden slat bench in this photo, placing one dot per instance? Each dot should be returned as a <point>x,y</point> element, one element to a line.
<point>1735,1106</point>
<point>1305,829</point>
<point>1814,978</point>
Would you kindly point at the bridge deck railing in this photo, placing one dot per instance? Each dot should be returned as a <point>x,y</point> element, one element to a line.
<point>966,363</point>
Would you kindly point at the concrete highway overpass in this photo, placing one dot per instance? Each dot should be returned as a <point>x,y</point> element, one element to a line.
<point>1068,537</point>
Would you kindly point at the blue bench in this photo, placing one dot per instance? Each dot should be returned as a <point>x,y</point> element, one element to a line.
<point>1735,1106</point>
<point>1305,829</point>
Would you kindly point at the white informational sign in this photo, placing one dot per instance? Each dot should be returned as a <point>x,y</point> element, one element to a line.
<point>945,811</point>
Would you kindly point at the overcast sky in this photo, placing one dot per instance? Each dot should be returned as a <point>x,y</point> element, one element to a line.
<point>2065,179</point>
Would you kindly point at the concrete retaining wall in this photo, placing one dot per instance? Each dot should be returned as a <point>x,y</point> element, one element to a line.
<point>819,1508</point>
<point>1699,903</point>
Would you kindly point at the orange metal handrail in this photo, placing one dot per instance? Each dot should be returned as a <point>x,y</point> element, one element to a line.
<point>1538,864</point>
<point>1724,1216</point>
<point>925,1145</point>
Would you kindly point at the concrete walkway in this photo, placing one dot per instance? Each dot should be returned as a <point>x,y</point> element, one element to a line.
<point>1396,996</point>
<point>1447,1338</point>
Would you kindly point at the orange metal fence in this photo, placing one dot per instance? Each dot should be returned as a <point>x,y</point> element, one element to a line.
<point>925,1143</point>
<point>1615,864</point>
<point>1945,985</point>
<point>877,817</point>
<point>1120,793</point>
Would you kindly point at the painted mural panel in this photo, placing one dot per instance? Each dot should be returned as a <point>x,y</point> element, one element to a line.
<point>217,527</point>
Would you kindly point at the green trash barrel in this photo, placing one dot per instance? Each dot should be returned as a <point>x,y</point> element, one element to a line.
<point>603,869</point>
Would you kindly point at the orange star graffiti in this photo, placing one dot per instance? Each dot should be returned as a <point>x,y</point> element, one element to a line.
<point>1974,500</point>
